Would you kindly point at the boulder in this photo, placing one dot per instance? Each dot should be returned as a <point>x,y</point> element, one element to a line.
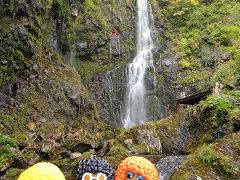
<point>146,137</point>
<point>18,158</point>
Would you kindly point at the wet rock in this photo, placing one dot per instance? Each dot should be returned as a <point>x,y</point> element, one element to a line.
<point>153,107</point>
<point>34,136</point>
<point>3,63</point>
<point>24,91</point>
<point>32,76</point>
<point>35,158</point>
<point>46,72</point>
<point>221,131</point>
<point>38,87</point>
<point>82,45</point>
<point>104,150</point>
<point>166,166</point>
<point>65,154</point>
<point>108,90</point>
<point>6,165</point>
<point>75,99</point>
<point>3,100</point>
<point>43,120</point>
<point>225,57</point>
<point>15,89</point>
<point>22,32</point>
<point>128,142</point>
<point>150,82</point>
<point>35,67</point>
<point>67,111</point>
<point>147,138</point>
<point>75,155</point>
<point>198,178</point>
<point>47,149</point>
<point>81,147</point>
<point>18,158</point>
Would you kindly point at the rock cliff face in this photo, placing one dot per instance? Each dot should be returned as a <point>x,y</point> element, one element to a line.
<point>98,37</point>
<point>50,117</point>
<point>109,88</point>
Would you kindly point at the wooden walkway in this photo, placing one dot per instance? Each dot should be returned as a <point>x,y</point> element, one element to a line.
<point>193,99</point>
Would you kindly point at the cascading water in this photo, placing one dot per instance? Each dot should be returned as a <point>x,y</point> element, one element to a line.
<point>135,105</point>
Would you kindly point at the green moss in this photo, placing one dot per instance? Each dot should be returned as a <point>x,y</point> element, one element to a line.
<point>234,115</point>
<point>208,157</point>
<point>199,35</point>
<point>116,153</point>
<point>117,148</point>
<point>215,160</point>
<point>91,4</point>
<point>88,69</point>
<point>215,111</point>
<point>222,162</point>
<point>196,78</point>
<point>167,126</point>
<point>19,55</point>
<point>84,156</point>
<point>64,164</point>
<point>190,168</point>
<point>6,143</point>
<point>13,173</point>
<point>141,149</point>
<point>184,63</point>
<point>227,73</point>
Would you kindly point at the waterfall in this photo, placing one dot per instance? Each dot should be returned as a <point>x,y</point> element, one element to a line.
<point>135,103</point>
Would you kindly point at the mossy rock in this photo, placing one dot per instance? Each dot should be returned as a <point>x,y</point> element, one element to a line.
<point>217,160</point>
<point>13,173</point>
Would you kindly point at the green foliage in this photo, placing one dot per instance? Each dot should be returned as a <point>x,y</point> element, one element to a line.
<point>196,78</point>
<point>91,5</point>
<point>13,173</point>
<point>5,143</point>
<point>86,69</point>
<point>21,41</point>
<point>215,110</point>
<point>200,31</point>
<point>235,94</point>
<point>208,156</point>
<point>218,160</point>
<point>189,43</point>
<point>235,115</point>
<point>227,73</point>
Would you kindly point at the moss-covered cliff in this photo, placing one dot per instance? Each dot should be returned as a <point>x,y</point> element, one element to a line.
<point>46,112</point>
<point>201,39</point>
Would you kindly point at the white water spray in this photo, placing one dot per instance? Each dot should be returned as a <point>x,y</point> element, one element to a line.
<point>135,107</point>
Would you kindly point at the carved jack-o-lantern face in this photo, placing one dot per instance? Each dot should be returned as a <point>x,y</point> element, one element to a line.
<point>90,176</point>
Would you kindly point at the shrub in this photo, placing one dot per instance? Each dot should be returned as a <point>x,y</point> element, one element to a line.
<point>215,110</point>
<point>208,156</point>
<point>5,143</point>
